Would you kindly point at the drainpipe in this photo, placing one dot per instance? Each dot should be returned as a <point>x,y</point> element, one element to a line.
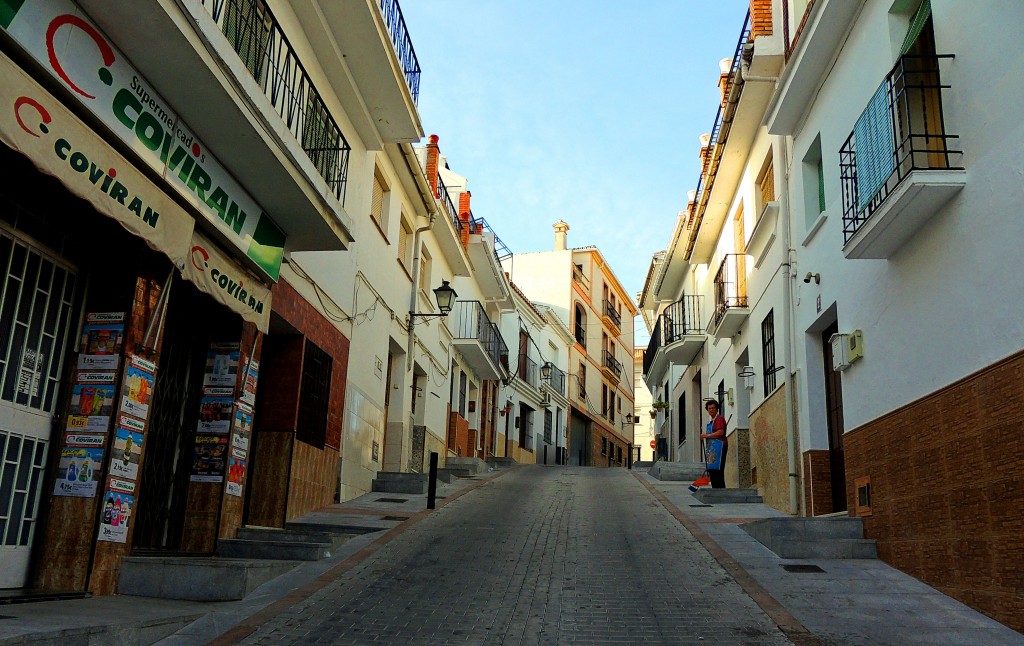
<point>788,272</point>
<point>430,201</point>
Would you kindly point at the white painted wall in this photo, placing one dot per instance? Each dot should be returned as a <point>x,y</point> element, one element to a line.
<point>948,303</point>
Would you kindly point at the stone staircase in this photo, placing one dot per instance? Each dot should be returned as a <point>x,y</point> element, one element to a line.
<point>400,482</point>
<point>727,496</point>
<point>676,471</point>
<point>241,564</point>
<point>813,538</point>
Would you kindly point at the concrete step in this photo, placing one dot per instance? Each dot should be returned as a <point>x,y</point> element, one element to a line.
<point>451,474</point>
<point>291,535</point>
<point>835,537</point>
<point>339,530</point>
<point>676,471</point>
<point>727,496</point>
<point>197,578</point>
<point>286,550</point>
<point>475,466</point>
<point>502,463</point>
<point>397,482</point>
<point>640,465</point>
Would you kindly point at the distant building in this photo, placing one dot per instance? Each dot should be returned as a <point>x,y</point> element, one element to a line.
<point>580,287</point>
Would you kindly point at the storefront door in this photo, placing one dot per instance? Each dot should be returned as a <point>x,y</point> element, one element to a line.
<point>37,293</point>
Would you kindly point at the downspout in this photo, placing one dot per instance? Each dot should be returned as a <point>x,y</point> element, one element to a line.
<point>787,325</point>
<point>429,200</point>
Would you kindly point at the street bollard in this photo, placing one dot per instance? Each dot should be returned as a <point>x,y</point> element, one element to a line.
<point>432,481</point>
<point>545,454</point>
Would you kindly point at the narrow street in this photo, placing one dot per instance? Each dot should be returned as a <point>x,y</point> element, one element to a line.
<point>539,555</point>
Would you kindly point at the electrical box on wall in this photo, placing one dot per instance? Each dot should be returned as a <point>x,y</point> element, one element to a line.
<point>846,348</point>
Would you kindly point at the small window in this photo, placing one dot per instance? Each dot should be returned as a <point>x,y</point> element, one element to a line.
<point>582,380</point>
<point>618,454</point>
<point>379,202</point>
<point>314,396</point>
<point>604,446</point>
<point>548,425</point>
<point>813,171</point>
<point>768,352</point>
<point>404,238</point>
<point>425,267</point>
<point>765,186</point>
<point>581,325</point>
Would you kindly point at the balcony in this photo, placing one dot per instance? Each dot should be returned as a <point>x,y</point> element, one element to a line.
<point>611,316</point>
<point>580,332</point>
<point>610,366</point>
<point>232,76</point>
<point>366,52</point>
<point>677,338</point>
<point>527,371</point>
<point>730,297</point>
<point>486,251</point>
<point>581,279</point>
<point>905,167</point>
<point>556,382</point>
<point>478,340</point>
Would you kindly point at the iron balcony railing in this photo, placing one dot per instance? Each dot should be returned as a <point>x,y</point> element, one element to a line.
<point>527,370</point>
<point>259,41</point>
<point>612,363</point>
<point>581,334</point>
<point>919,140</point>
<point>447,204</point>
<point>676,321</point>
<point>719,131</point>
<point>730,285</point>
<point>395,21</point>
<point>579,277</point>
<point>471,322</point>
<point>557,380</point>
<point>480,225</point>
<point>613,314</point>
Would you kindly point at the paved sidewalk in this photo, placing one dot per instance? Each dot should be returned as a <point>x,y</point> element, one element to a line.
<point>123,619</point>
<point>853,601</point>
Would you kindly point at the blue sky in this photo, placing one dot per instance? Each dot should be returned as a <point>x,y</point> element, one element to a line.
<point>588,112</point>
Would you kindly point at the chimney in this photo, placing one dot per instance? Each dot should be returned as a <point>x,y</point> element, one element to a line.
<point>433,152</point>
<point>705,148</point>
<point>691,207</point>
<point>465,217</point>
<point>725,66</point>
<point>561,228</point>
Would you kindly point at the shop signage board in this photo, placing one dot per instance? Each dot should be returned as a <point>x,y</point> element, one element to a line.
<point>218,275</point>
<point>37,125</point>
<point>70,47</point>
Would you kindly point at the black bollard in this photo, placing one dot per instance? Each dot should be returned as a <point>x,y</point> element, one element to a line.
<point>432,481</point>
<point>545,454</point>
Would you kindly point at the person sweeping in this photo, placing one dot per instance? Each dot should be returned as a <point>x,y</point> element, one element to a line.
<point>716,431</point>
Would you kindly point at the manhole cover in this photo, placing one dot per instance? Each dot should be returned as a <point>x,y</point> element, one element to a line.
<point>801,568</point>
<point>700,505</point>
<point>392,500</point>
<point>395,518</point>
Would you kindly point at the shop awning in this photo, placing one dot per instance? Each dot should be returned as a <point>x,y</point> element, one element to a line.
<point>36,124</point>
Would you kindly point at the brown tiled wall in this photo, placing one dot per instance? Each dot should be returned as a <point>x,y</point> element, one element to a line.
<point>817,482</point>
<point>313,479</point>
<point>947,489</point>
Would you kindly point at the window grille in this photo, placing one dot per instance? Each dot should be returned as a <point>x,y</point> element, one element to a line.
<point>314,396</point>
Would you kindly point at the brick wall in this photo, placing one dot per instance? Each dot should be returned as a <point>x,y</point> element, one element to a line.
<point>760,18</point>
<point>817,470</point>
<point>947,489</point>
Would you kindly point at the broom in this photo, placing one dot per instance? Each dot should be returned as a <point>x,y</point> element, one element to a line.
<point>704,479</point>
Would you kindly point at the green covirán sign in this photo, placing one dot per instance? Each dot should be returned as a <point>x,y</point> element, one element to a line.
<point>68,45</point>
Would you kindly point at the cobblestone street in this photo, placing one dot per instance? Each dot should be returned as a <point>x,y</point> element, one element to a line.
<point>539,555</point>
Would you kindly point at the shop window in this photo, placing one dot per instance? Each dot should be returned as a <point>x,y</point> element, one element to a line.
<point>314,395</point>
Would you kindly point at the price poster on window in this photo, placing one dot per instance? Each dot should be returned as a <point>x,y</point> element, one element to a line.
<point>78,471</point>
<point>137,391</point>
<point>221,365</point>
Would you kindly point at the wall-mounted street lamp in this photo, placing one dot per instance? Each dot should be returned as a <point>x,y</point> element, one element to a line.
<point>545,370</point>
<point>445,297</point>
